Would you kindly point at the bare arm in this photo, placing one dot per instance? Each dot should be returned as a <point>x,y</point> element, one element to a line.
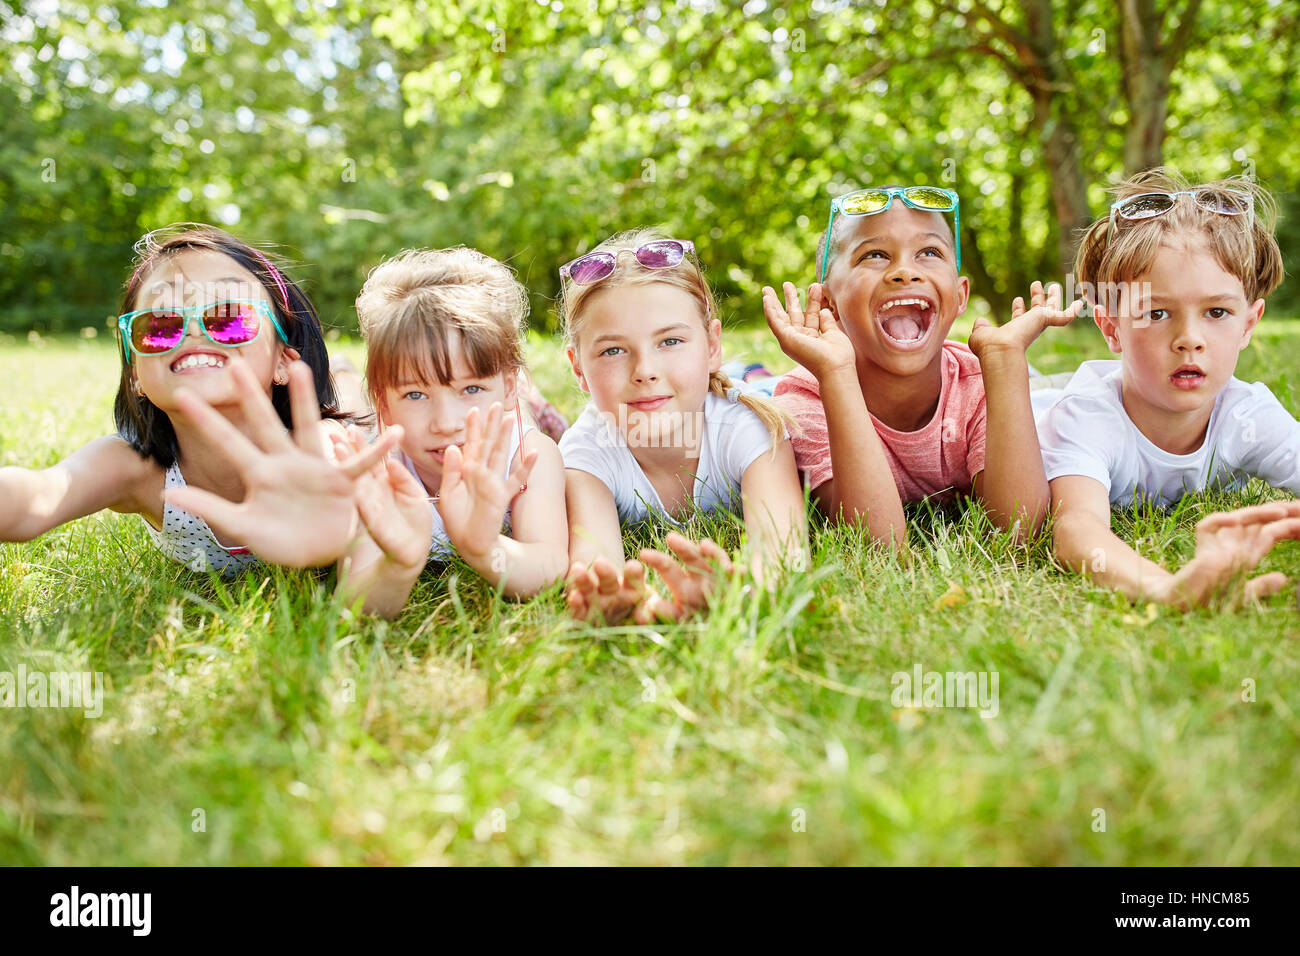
<point>1013,486</point>
<point>106,473</point>
<point>594,529</point>
<point>536,553</point>
<point>774,511</point>
<point>1228,545</point>
<point>862,489</point>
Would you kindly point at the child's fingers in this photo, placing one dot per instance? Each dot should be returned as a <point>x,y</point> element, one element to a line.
<point>217,428</point>
<point>1286,529</point>
<point>215,510</point>
<point>826,321</point>
<point>981,323</point>
<point>677,578</point>
<point>1054,297</point>
<point>689,552</point>
<point>814,300</point>
<point>606,577</point>
<point>473,436</point>
<point>363,461</point>
<point>1017,307</point>
<point>452,470</point>
<point>634,577</point>
<point>715,552</point>
<point>402,481</point>
<point>518,479</point>
<point>792,306</point>
<point>500,448</point>
<point>264,424</point>
<point>1035,294</point>
<point>1252,514</point>
<point>304,409</point>
<point>1266,585</point>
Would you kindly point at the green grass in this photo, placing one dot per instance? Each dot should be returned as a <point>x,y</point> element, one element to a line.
<point>475,730</point>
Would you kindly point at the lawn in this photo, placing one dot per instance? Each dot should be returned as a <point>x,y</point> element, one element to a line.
<point>258,722</point>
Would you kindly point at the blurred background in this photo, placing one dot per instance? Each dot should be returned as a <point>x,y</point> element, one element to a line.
<point>340,132</point>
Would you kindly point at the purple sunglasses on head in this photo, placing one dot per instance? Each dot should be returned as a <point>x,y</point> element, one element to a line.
<point>656,254</point>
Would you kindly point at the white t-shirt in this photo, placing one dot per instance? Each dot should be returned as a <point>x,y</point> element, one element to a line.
<point>732,437</point>
<point>440,547</point>
<point>1087,432</point>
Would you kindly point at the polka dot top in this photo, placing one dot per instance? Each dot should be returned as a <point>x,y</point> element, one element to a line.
<point>188,539</point>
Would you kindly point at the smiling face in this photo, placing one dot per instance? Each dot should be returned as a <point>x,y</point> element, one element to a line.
<point>1180,328</point>
<point>645,354</point>
<point>433,413</point>
<point>198,278</point>
<point>894,288</point>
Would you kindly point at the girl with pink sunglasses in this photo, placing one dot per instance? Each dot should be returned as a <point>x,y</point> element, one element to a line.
<point>666,434</point>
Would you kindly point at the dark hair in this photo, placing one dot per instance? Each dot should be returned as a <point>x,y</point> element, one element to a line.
<point>146,427</point>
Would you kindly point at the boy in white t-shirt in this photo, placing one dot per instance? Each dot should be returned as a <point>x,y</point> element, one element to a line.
<point>1177,276</point>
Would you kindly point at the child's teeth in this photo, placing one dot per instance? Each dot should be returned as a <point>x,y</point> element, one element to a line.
<point>198,361</point>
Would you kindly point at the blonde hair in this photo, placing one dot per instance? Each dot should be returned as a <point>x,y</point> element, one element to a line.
<point>412,303</point>
<point>688,277</point>
<point>1243,245</point>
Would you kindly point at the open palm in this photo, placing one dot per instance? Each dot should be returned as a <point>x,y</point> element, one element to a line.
<point>392,504</point>
<point>811,337</point>
<point>1229,544</point>
<point>298,508</point>
<point>473,497</point>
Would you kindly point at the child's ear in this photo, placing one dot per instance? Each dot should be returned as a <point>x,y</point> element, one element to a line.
<point>512,388</point>
<point>1255,313</point>
<point>1109,327</point>
<point>963,294</point>
<point>288,355</point>
<point>572,355</point>
<point>828,301</point>
<point>714,331</point>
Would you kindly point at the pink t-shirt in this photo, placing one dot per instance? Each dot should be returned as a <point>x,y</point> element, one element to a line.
<point>939,459</point>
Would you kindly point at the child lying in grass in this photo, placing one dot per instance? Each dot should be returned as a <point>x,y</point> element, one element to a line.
<point>1177,276</point>
<point>470,477</point>
<point>666,433</point>
<point>889,411</point>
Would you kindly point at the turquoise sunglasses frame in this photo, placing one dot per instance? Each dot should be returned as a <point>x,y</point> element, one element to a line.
<point>837,207</point>
<point>196,311</point>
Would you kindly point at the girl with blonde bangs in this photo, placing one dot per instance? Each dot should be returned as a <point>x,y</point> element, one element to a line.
<point>666,433</point>
<point>471,476</point>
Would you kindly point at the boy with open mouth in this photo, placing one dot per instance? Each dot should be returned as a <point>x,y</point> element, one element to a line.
<point>889,410</point>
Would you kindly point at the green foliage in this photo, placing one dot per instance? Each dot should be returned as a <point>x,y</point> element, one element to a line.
<point>344,132</point>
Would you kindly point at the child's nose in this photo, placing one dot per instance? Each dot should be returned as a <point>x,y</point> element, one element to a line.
<point>645,370</point>
<point>445,419</point>
<point>903,273</point>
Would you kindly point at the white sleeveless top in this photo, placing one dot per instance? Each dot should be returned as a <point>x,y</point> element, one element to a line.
<point>186,538</point>
<point>440,547</point>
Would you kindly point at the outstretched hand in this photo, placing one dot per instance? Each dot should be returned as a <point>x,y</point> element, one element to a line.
<point>393,505</point>
<point>473,497</point>
<point>602,593</point>
<point>298,508</point>
<point>1229,544</point>
<point>1025,325</point>
<point>811,337</point>
<point>691,577</point>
